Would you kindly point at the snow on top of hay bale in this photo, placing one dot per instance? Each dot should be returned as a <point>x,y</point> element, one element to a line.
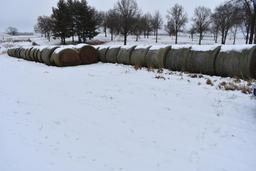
<point>157,47</point>
<point>79,46</point>
<point>61,48</point>
<point>143,46</point>
<point>237,48</point>
<point>181,46</point>
<point>128,46</point>
<point>204,48</point>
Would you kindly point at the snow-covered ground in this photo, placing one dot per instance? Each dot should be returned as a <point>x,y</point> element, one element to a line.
<point>113,117</point>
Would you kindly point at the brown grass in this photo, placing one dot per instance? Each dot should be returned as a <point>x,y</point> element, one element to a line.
<point>209,82</point>
<point>233,86</point>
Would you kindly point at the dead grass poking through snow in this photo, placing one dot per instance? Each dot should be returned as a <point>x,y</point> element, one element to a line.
<point>235,86</point>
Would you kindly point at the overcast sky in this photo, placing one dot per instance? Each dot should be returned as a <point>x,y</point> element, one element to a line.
<point>23,13</point>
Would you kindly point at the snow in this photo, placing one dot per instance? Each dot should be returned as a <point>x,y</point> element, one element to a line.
<point>204,47</point>
<point>80,45</point>
<point>142,46</point>
<point>181,46</point>
<point>157,47</point>
<point>237,48</point>
<point>80,118</point>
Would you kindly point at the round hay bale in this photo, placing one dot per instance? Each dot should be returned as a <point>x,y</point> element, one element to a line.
<point>156,56</point>
<point>66,57</point>
<point>138,56</point>
<point>176,58</point>
<point>35,55</point>
<point>102,53</point>
<point>28,53</point>
<point>46,54</point>
<point>88,54</point>
<point>11,52</point>
<point>31,53</point>
<point>17,53</point>
<point>22,53</point>
<point>111,56</point>
<point>233,62</point>
<point>202,59</point>
<point>124,55</point>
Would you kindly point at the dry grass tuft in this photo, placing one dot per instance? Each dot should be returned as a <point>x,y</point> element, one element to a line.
<point>233,86</point>
<point>209,82</point>
<point>160,77</point>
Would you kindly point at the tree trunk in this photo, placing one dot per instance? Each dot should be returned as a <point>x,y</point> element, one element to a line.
<point>247,34</point>
<point>252,28</point>
<point>156,36</point>
<point>235,32</point>
<point>200,38</point>
<point>112,36</point>
<point>176,37</point>
<point>73,38</point>
<point>125,38</point>
<point>105,31</point>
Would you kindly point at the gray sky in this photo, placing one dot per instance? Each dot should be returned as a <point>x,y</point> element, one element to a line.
<point>23,13</point>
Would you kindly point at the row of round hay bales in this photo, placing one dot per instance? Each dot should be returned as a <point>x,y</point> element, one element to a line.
<point>236,61</point>
<point>205,59</point>
<point>193,59</point>
<point>124,55</point>
<point>57,56</point>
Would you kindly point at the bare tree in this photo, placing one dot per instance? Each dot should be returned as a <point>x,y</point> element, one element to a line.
<point>224,16</point>
<point>12,31</point>
<point>45,26</point>
<point>112,22</point>
<point>138,26</point>
<point>177,18</point>
<point>127,10</point>
<point>157,23</point>
<point>192,31</point>
<point>202,20</point>
<point>147,22</point>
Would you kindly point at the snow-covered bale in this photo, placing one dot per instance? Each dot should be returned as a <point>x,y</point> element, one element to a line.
<point>11,52</point>
<point>88,54</point>
<point>124,55</point>
<point>235,61</point>
<point>22,53</point>
<point>32,53</point>
<point>202,59</point>
<point>17,53</point>
<point>27,53</point>
<point>46,54</point>
<point>111,56</point>
<point>66,57</point>
<point>138,56</point>
<point>102,52</point>
<point>176,58</point>
<point>156,56</point>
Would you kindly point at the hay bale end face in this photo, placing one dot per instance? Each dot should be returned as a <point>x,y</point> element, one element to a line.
<point>46,54</point>
<point>138,56</point>
<point>236,62</point>
<point>124,55</point>
<point>156,56</point>
<point>112,53</point>
<point>66,57</point>
<point>202,60</point>
<point>88,54</point>
<point>176,58</point>
<point>102,51</point>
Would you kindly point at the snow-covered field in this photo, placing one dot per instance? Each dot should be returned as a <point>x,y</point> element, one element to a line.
<point>113,117</point>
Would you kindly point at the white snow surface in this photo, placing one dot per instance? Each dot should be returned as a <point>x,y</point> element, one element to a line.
<point>112,117</point>
<point>237,48</point>
<point>204,48</point>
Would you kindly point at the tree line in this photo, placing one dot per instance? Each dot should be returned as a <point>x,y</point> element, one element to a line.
<point>75,18</point>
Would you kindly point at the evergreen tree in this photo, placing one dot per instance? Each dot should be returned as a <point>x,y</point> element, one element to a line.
<point>61,21</point>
